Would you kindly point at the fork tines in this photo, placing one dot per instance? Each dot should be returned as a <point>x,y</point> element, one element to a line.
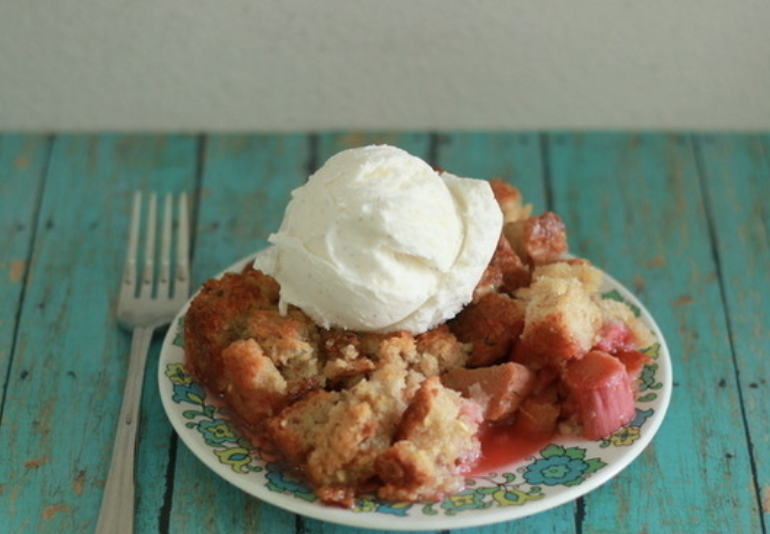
<point>157,280</point>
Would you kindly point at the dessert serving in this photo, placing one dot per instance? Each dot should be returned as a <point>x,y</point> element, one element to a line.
<point>401,316</point>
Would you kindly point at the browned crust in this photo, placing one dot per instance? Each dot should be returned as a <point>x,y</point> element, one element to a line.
<point>492,326</point>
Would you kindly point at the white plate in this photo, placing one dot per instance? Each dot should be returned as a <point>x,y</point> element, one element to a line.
<point>560,472</point>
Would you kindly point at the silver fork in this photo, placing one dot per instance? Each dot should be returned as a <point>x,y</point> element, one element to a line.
<point>145,304</point>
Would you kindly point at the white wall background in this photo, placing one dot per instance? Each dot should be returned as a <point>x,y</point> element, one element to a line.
<point>267,65</point>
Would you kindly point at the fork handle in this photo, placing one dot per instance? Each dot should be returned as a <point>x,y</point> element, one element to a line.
<point>116,515</point>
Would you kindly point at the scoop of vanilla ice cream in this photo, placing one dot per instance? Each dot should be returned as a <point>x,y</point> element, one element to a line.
<point>378,241</point>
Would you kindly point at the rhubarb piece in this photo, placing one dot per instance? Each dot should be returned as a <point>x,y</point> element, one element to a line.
<point>498,389</point>
<point>539,414</point>
<point>537,417</point>
<point>615,336</point>
<point>621,329</point>
<point>599,394</point>
<point>634,361</point>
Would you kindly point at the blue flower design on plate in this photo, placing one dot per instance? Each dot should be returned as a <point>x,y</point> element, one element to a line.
<point>192,393</point>
<point>555,470</point>
<point>561,466</point>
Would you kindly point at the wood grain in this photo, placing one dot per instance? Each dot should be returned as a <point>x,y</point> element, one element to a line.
<point>69,361</point>
<point>635,207</point>
<point>23,160</point>
<point>682,220</point>
<point>736,177</point>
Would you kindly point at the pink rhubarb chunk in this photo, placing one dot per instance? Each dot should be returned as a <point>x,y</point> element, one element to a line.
<point>599,394</point>
<point>615,336</point>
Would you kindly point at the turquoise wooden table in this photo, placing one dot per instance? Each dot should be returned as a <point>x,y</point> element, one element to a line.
<point>682,220</point>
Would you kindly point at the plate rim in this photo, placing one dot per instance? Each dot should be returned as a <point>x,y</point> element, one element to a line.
<point>476,518</point>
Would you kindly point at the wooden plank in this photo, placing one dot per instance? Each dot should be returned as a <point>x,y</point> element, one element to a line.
<point>23,161</point>
<point>69,366</point>
<point>736,172</point>
<point>634,206</point>
<point>513,157</point>
<point>245,185</point>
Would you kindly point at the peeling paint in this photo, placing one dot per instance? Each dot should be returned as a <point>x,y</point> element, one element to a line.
<point>658,261</point>
<point>49,512</point>
<point>22,163</point>
<point>16,270</point>
<point>79,483</point>
<point>34,463</point>
<point>639,283</point>
<point>684,299</point>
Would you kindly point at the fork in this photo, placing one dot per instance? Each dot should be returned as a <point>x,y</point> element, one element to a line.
<point>146,303</point>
